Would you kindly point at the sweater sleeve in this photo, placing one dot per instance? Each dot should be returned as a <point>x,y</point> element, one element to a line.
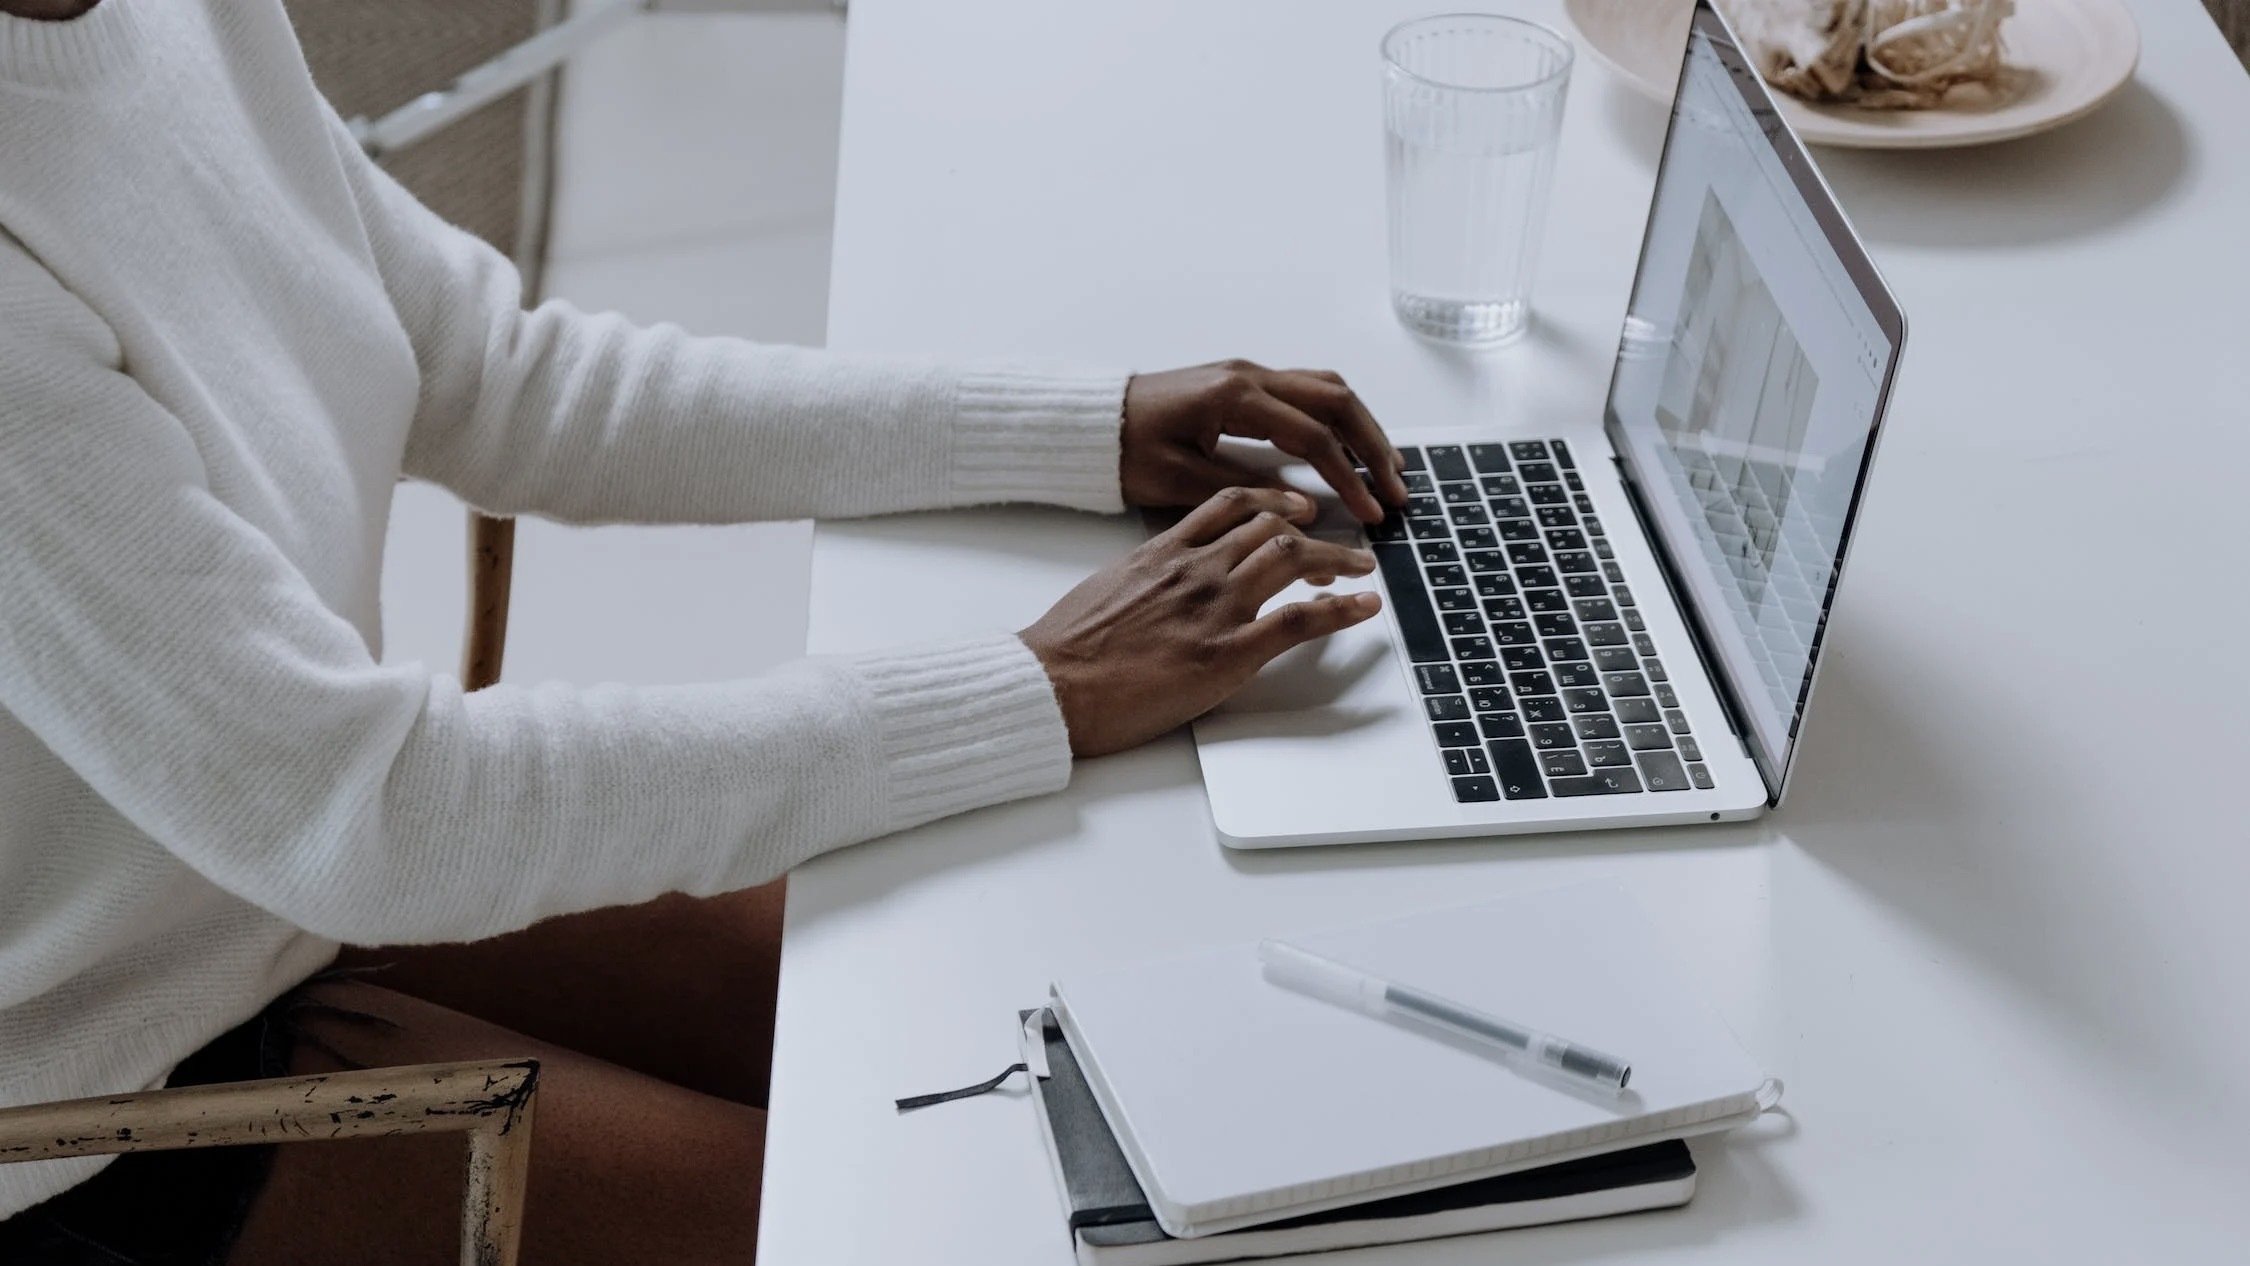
<point>591,418</point>
<point>169,653</point>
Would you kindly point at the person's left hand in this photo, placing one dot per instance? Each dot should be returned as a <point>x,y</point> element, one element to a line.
<point>1173,421</point>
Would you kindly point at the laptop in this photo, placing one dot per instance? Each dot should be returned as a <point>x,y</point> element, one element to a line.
<point>1623,628</point>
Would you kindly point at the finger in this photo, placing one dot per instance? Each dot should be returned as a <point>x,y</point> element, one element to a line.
<point>1283,560</point>
<point>1253,534</point>
<point>1268,417</point>
<point>1301,622</point>
<point>1199,477</point>
<point>1229,508</point>
<point>1326,396</point>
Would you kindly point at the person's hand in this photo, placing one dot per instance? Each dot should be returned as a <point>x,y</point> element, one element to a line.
<point>1166,633</point>
<point>1173,421</point>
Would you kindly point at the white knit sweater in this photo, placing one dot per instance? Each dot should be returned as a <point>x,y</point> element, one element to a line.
<point>223,337</point>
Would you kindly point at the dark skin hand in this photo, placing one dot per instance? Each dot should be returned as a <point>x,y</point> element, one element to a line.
<point>1173,422</point>
<point>1166,633</point>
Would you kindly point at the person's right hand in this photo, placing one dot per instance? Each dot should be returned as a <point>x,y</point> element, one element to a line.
<point>1166,633</point>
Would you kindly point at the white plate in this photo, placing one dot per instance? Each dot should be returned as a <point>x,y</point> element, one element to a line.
<point>2078,53</point>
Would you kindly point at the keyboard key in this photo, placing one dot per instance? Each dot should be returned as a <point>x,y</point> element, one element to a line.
<point>1546,495</point>
<point>1485,673</point>
<point>1604,634</point>
<point>1448,462</point>
<point>1607,782</point>
<point>1472,648</point>
<point>1645,738</point>
<point>1573,675</point>
<point>1424,507</point>
<point>1614,573</point>
<point>1665,696</point>
<point>1490,699</point>
<point>1500,725</point>
<point>1410,459</point>
<point>1468,516</point>
<point>1700,776</point>
<point>1586,587</point>
<point>1519,530</point>
<point>1542,708</point>
<point>1478,538</point>
<point>1475,790</point>
<point>1504,608</point>
<point>1676,720</point>
<point>1410,604</point>
<point>1546,601</point>
<point>1594,524</point>
<point>1517,769</point>
<point>1645,644</point>
<point>1509,508</point>
<point>1418,482</point>
<point>1437,552</point>
<point>1538,473</point>
<point>1661,771</point>
<point>1428,529</point>
<point>1557,517</point>
<point>1574,561</point>
<point>1565,648</point>
<point>1512,633</point>
<point>1585,699</point>
<point>1638,711</point>
<point>1495,585</point>
<point>1553,735</point>
<point>1602,753</point>
<point>1624,685</point>
<point>1602,549</point>
<point>1466,760</point>
<point>1688,748</point>
<point>1634,621</point>
<point>1455,734</point>
<point>1463,623</point>
<point>1487,560</point>
<point>1655,670</point>
<point>1535,577</point>
<point>1392,528</point>
<point>1625,595</point>
<point>1616,659</point>
<point>1446,576</point>
<point>1436,679</point>
<point>1531,683</point>
<point>1455,600</point>
<point>1584,503</point>
<point>1561,764</point>
<point>1526,552</point>
<point>1446,707</point>
<point>1528,450</point>
<point>1565,538</point>
<point>1591,727</point>
<point>1562,454</point>
<point>1491,458</point>
<point>1500,486</point>
<point>1521,658</point>
<point>1554,624</point>
<point>1463,494</point>
<point>1571,481</point>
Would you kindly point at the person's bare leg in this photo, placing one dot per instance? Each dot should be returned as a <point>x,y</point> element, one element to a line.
<point>624,1167</point>
<point>680,988</point>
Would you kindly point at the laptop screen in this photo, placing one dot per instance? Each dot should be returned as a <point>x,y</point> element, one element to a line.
<point>1756,359</point>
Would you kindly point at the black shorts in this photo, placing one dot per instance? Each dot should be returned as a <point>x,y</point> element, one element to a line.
<point>182,1208</point>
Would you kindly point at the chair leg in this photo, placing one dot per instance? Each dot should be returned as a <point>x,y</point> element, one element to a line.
<point>492,557</point>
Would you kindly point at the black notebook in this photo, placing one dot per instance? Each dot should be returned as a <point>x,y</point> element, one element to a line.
<point>1113,1225</point>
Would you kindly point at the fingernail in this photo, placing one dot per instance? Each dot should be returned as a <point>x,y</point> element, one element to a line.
<point>1366,601</point>
<point>1365,557</point>
<point>1300,503</point>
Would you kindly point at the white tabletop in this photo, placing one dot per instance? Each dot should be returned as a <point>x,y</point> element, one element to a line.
<point>1994,942</point>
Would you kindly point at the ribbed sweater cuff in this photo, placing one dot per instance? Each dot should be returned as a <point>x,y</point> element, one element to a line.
<point>1044,437</point>
<point>963,726</point>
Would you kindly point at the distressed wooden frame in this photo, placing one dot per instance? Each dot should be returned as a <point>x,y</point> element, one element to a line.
<point>490,1101</point>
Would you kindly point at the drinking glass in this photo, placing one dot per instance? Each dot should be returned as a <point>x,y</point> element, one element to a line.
<point>1472,108</point>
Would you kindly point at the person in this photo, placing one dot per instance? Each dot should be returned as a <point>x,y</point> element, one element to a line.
<point>224,335</point>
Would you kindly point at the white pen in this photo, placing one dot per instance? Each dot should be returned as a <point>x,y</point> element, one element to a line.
<point>1346,986</point>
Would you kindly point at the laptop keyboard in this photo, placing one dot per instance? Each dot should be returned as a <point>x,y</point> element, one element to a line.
<point>1536,669</point>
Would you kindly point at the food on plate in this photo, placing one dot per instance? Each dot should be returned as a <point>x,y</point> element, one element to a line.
<point>1887,54</point>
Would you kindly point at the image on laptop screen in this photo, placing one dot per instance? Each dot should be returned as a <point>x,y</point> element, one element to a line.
<point>1748,385</point>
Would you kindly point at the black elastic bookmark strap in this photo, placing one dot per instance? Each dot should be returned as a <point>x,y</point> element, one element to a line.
<point>965,1092</point>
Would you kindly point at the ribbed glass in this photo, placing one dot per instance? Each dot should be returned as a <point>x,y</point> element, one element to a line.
<point>1473,105</point>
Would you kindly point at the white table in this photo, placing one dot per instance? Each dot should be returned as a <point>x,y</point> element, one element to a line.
<point>1996,940</point>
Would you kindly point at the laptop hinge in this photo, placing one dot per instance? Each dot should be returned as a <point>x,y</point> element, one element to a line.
<point>1698,636</point>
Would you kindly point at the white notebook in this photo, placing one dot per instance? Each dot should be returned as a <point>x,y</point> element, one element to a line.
<point>1239,1102</point>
